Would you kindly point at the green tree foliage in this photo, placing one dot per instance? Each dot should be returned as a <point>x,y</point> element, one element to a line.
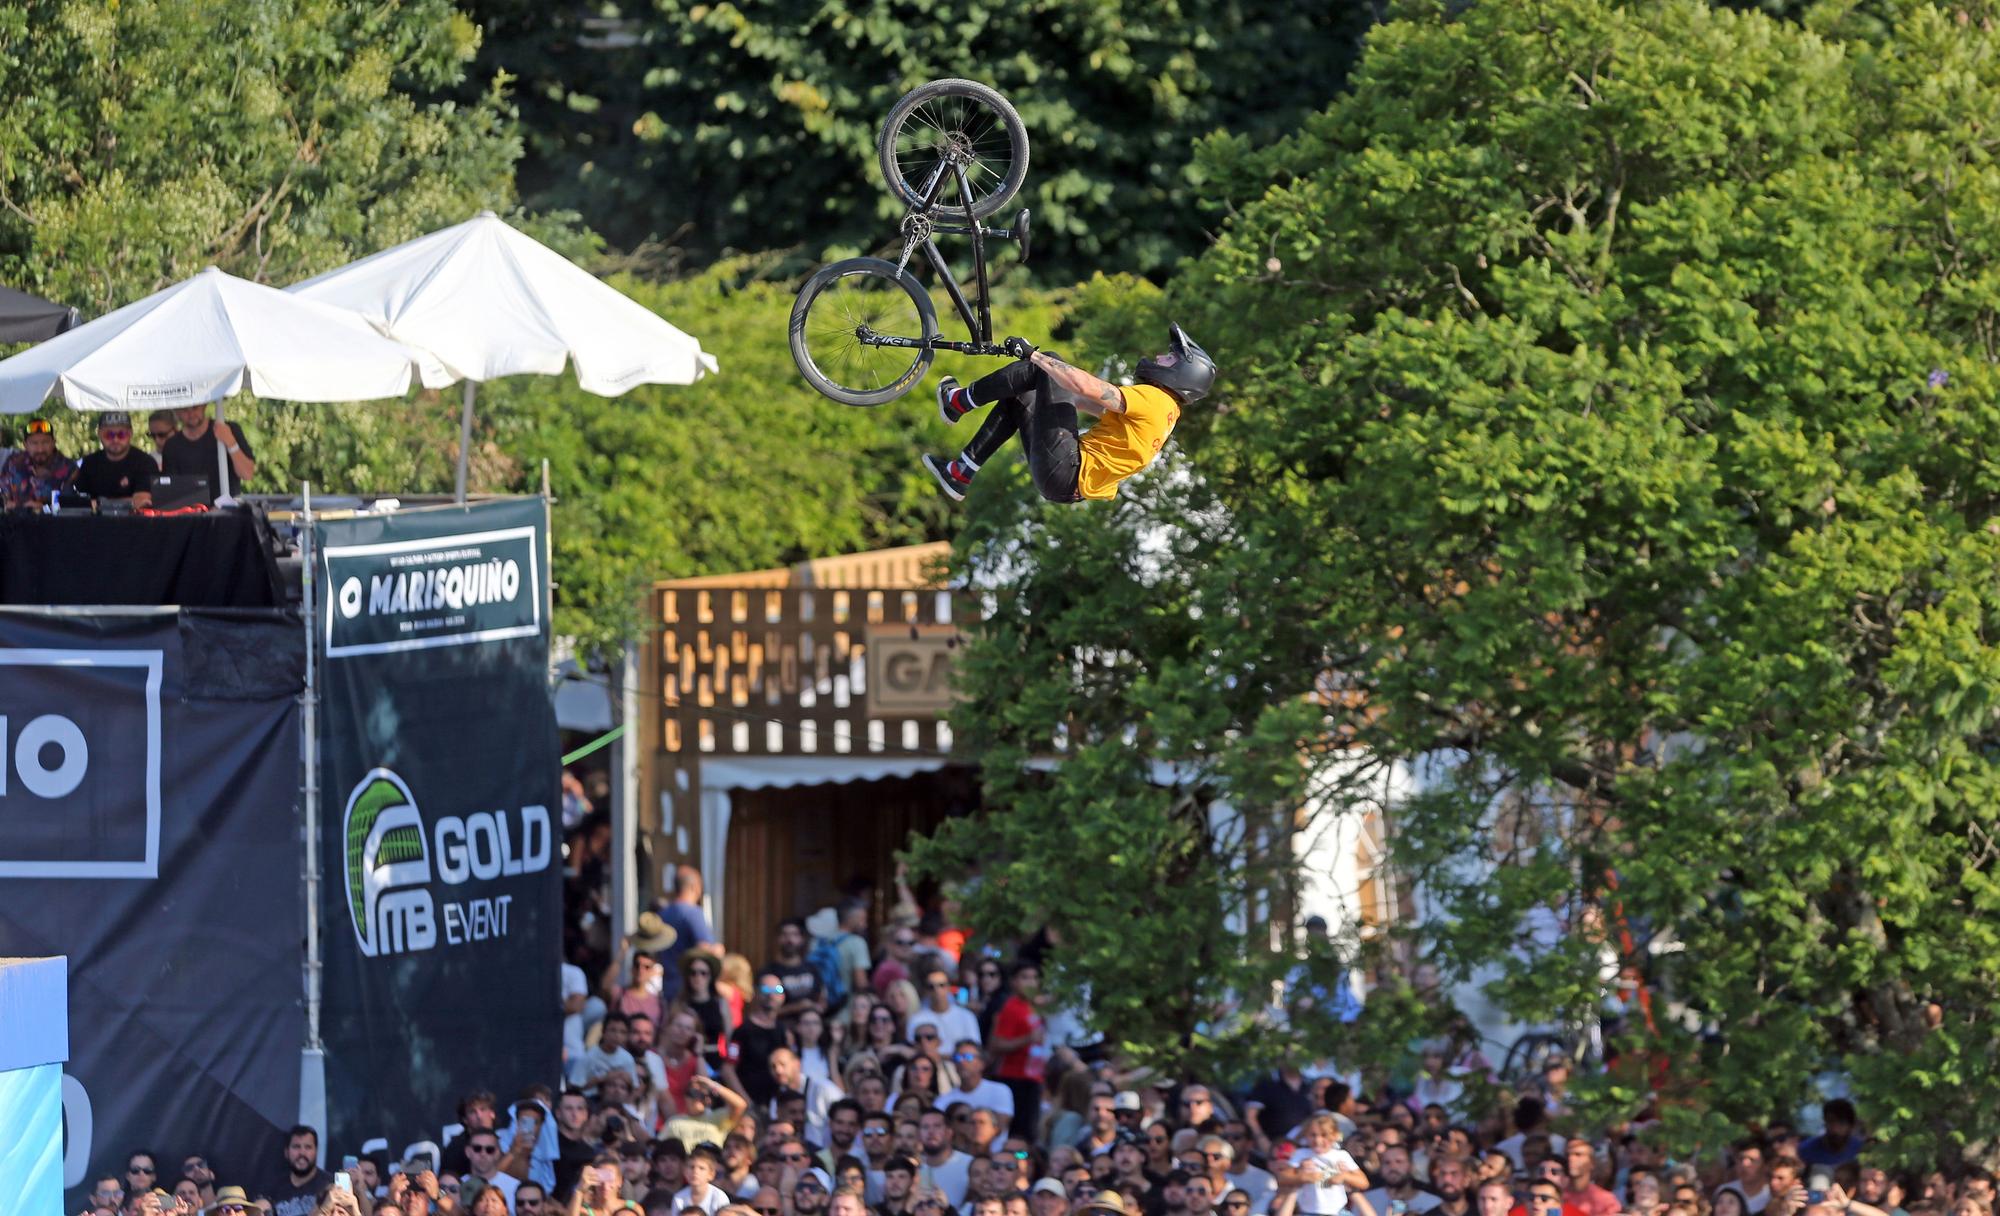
<point>1606,394</point>
<point>142,141</point>
<point>754,124</point>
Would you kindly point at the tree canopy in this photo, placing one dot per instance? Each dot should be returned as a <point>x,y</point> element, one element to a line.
<point>1601,455</point>
<point>752,126</point>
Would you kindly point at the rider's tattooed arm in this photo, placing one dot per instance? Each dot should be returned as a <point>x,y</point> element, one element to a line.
<point>1093,396</point>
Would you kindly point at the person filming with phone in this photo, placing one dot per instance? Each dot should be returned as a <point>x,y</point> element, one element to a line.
<point>597,1191</point>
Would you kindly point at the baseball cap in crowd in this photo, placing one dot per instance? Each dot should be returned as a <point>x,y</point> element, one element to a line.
<point>1048,1186</point>
<point>1125,1099</point>
<point>818,1175</point>
<point>1127,1136</point>
<point>231,1201</point>
<point>1106,1201</point>
<point>38,426</point>
<point>114,418</point>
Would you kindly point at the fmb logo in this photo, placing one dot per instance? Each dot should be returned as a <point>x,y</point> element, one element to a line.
<point>388,868</point>
<point>80,763</point>
<point>393,864</point>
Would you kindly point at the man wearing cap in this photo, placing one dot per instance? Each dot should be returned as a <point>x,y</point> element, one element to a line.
<point>811,1192</point>
<point>194,450</point>
<point>38,470</point>
<point>117,471</point>
<point>1047,1198</point>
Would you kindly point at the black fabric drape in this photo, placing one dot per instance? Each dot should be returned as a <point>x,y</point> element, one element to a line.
<point>221,559</point>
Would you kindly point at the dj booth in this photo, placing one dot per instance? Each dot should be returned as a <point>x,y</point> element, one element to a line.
<point>211,559</point>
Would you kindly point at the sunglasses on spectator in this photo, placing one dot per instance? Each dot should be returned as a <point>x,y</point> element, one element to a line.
<point>926,1036</point>
<point>772,989</point>
<point>449,1188</point>
<point>963,1056</point>
<point>874,1131</point>
<point>231,1209</point>
<point>1236,1203</point>
<point>165,432</point>
<point>797,1157</point>
<point>906,941</point>
<point>482,1148</point>
<point>115,432</point>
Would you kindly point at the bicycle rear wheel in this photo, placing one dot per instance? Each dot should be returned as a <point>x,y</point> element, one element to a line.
<point>954,119</point>
<point>844,304</point>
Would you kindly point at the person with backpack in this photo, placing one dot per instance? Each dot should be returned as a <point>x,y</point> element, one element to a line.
<point>839,954</point>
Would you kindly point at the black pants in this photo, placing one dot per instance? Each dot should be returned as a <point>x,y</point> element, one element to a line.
<point>1025,403</point>
<point>1027,1105</point>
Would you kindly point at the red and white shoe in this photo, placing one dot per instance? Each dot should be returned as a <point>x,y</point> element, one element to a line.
<point>952,475</point>
<point>953,402</point>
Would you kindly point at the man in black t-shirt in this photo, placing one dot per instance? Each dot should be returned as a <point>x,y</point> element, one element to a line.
<point>761,1033</point>
<point>304,1183</point>
<point>794,972</point>
<point>119,470</point>
<point>193,451</point>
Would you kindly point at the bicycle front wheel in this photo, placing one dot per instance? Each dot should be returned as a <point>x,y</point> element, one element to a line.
<point>954,120</point>
<point>843,312</point>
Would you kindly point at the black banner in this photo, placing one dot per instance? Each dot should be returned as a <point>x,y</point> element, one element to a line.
<point>440,777</point>
<point>149,829</point>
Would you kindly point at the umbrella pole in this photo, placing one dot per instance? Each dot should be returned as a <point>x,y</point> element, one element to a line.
<point>222,493</point>
<point>464,440</point>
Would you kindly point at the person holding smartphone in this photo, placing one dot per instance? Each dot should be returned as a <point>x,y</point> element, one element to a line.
<point>597,1190</point>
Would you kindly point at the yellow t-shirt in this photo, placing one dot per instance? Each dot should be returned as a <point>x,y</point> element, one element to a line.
<point>1122,444</point>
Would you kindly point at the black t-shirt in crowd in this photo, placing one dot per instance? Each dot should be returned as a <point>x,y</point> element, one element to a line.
<point>102,477</point>
<point>800,980</point>
<point>300,1199</point>
<point>571,1157</point>
<point>752,1046</point>
<point>1284,1107</point>
<point>181,455</point>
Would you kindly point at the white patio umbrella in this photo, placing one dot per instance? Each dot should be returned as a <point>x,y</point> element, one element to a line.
<point>485,301</point>
<point>202,340</point>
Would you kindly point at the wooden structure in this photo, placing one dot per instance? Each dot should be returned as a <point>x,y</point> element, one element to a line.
<point>789,703</point>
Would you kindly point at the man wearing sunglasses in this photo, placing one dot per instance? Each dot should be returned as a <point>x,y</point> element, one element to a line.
<point>761,1034</point>
<point>117,472</point>
<point>232,1201</point>
<point>974,1088</point>
<point>954,1023</point>
<point>38,470</point>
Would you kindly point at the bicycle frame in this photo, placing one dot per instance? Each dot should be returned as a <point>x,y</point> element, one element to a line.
<point>979,326</point>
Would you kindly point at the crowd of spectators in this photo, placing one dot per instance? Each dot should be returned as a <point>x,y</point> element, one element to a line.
<point>905,1074</point>
<point>186,441</point>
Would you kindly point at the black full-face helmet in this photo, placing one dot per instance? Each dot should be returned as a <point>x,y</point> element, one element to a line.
<point>1185,370</point>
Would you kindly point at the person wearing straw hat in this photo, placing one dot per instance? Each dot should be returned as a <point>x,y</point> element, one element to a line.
<point>1109,1203</point>
<point>232,1201</point>
<point>643,989</point>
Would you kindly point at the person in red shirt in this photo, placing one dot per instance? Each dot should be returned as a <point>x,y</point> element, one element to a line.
<point>1020,1051</point>
<point>1583,1194</point>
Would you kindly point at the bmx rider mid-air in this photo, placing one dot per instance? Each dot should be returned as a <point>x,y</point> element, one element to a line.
<point>1039,396</point>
